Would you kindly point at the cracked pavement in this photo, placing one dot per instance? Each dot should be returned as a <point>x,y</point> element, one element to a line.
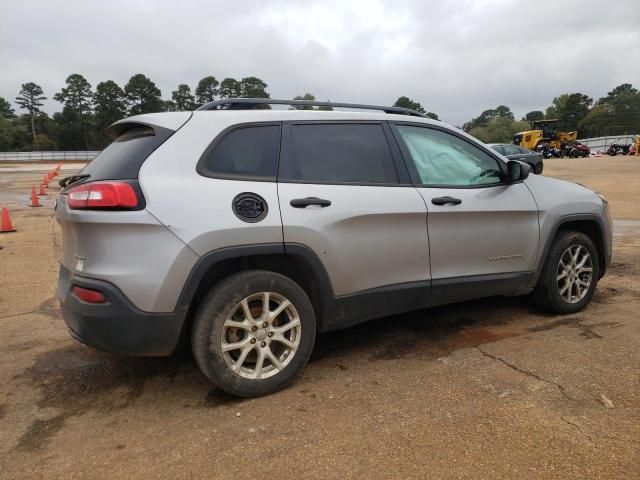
<point>525,372</point>
<point>486,389</point>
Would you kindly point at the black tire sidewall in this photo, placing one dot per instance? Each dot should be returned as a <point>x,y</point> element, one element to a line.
<point>549,282</point>
<point>210,317</point>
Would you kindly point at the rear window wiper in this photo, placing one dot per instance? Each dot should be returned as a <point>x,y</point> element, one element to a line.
<point>66,181</point>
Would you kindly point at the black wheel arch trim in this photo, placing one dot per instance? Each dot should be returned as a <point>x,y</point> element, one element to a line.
<point>564,220</point>
<point>209,260</point>
<point>334,311</point>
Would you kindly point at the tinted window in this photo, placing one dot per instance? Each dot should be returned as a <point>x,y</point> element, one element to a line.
<point>338,153</point>
<point>525,151</point>
<point>498,148</point>
<point>512,150</point>
<point>244,152</point>
<point>125,155</point>
<point>444,159</point>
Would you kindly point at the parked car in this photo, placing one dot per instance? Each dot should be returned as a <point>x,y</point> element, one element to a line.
<point>247,230</point>
<point>515,152</point>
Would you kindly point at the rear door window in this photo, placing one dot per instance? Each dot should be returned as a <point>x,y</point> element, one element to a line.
<point>337,153</point>
<point>247,152</point>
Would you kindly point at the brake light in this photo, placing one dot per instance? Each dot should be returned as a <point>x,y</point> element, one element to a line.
<point>102,195</point>
<point>87,295</point>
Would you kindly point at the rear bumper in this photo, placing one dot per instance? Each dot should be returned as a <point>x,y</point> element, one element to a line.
<point>116,326</point>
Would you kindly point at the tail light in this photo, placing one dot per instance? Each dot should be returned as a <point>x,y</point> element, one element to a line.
<point>88,295</point>
<point>111,195</point>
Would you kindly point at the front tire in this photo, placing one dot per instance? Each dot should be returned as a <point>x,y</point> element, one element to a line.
<point>570,274</point>
<point>253,333</point>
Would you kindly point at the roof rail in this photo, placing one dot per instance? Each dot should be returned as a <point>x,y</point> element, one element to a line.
<point>252,103</point>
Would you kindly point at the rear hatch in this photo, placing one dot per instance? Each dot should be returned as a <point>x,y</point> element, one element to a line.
<point>133,140</point>
<point>101,209</point>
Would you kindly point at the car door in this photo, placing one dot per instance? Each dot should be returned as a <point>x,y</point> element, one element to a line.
<point>343,195</point>
<point>483,233</point>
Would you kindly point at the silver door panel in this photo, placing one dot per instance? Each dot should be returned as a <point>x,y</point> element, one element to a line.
<point>369,237</point>
<point>493,230</point>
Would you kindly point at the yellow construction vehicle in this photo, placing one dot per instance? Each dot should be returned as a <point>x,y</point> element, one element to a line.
<point>544,136</point>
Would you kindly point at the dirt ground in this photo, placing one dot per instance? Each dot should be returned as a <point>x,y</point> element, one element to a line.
<point>484,389</point>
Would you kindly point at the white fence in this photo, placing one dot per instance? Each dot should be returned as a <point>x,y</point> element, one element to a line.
<point>80,156</point>
<point>601,144</point>
<point>597,144</point>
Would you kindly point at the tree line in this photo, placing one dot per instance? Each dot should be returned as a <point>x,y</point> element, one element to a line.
<point>618,113</point>
<point>86,113</point>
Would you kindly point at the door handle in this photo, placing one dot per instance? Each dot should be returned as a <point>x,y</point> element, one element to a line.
<point>305,202</point>
<point>446,201</point>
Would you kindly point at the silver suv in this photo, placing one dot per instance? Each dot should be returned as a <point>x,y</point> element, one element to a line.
<point>245,230</point>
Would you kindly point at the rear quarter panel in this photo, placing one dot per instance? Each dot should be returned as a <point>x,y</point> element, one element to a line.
<point>132,250</point>
<point>198,209</point>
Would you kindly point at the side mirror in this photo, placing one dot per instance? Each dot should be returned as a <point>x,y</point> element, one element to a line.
<point>516,171</point>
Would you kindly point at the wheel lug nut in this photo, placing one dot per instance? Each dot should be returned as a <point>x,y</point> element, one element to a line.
<point>254,328</point>
<point>263,344</point>
<point>270,334</point>
<point>264,325</point>
<point>253,340</point>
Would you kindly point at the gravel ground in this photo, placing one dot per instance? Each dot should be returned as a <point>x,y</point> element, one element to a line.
<point>485,389</point>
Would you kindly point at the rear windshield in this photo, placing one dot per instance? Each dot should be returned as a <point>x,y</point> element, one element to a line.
<point>125,155</point>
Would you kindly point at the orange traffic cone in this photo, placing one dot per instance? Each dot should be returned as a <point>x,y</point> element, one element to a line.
<point>34,198</point>
<point>5,226</point>
<point>45,181</point>
<point>42,191</point>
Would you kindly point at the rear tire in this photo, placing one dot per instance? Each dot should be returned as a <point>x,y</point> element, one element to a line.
<point>249,350</point>
<point>570,274</point>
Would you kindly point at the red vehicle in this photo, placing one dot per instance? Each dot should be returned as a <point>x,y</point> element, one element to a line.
<point>582,150</point>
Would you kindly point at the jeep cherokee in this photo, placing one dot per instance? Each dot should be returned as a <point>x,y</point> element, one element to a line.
<point>246,230</point>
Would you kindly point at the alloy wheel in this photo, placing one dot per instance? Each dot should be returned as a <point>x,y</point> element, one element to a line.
<point>261,335</point>
<point>574,274</point>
